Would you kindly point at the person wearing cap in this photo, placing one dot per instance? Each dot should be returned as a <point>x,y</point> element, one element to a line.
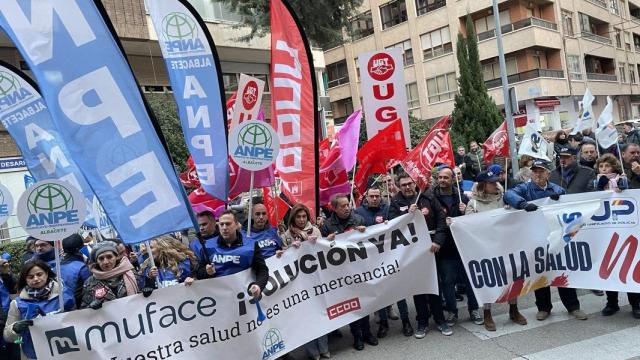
<point>631,134</point>
<point>519,198</point>
<point>208,230</point>
<point>503,176</point>
<point>112,276</point>
<point>73,269</point>
<point>570,175</point>
<point>264,235</point>
<point>487,194</point>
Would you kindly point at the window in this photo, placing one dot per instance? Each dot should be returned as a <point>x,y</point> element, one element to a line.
<point>491,70</point>
<point>488,23</point>
<point>341,110</point>
<point>632,74</point>
<point>413,99</point>
<point>575,70</point>
<point>393,13</point>
<point>357,69</point>
<point>443,87</point>
<point>361,26</point>
<point>230,82</point>
<point>565,120</point>
<point>215,11</point>
<point>425,6</point>
<point>407,51</point>
<point>567,23</point>
<point>615,8</point>
<point>623,72</point>
<point>436,43</point>
<point>627,40</point>
<point>585,24</point>
<point>618,37</point>
<point>337,73</point>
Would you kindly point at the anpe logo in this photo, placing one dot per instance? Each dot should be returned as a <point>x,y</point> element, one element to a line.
<point>181,33</point>
<point>250,95</point>
<point>381,66</point>
<point>62,340</point>
<point>618,212</point>
<point>11,91</point>
<point>272,343</point>
<point>342,308</point>
<point>253,145</point>
<point>255,135</point>
<point>8,83</point>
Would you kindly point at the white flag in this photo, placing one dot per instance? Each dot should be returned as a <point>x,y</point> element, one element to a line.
<point>606,133</point>
<point>565,224</point>
<point>585,121</point>
<point>533,143</point>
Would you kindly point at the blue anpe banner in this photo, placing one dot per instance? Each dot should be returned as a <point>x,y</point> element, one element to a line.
<point>97,107</point>
<point>190,59</point>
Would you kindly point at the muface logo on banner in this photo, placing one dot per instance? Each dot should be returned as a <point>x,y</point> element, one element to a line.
<point>250,90</point>
<point>6,204</point>
<point>51,210</point>
<point>383,91</point>
<point>191,66</point>
<point>253,145</point>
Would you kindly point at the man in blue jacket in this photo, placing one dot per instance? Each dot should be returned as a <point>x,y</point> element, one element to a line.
<point>518,198</point>
<point>264,235</point>
<point>208,229</point>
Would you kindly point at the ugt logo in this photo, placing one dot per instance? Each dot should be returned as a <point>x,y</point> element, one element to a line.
<point>381,66</point>
<point>618,212</point>
<point>11,92</point>
<point>62,340</point>
<point>272,343</point>
<point>254,140</point>
<point>50,204</point>
<point>180,32</point>
<point>250,95</point>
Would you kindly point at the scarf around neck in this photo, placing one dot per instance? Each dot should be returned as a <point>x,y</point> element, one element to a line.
<point>42,293</point>
<point>124,269</point>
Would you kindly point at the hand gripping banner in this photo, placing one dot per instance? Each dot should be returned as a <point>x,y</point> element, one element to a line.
<point>194,71</point>
<point>98,109</point>
<point>294,98</point>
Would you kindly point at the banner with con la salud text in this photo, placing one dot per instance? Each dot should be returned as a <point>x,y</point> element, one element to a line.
<point>505,252</point>
<point>98,109</point>
<point>311,291</point>
<point>193,67</point>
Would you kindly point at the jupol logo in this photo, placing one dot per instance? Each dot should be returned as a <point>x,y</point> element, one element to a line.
<point>618,212</point>
<point>11,91</point>
<point>50,204</point>
<point>64,339</point>
<point>181,33</point>
<point>254,140</point>
<point>272,343</point>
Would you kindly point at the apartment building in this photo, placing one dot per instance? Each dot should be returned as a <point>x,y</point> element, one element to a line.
<point>554,50</point>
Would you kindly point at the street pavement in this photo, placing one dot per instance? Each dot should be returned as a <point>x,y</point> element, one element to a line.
<point>559,337</point>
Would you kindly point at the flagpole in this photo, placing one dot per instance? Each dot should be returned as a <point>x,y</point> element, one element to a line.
<point>250,205</point>
<point>275,203</point>
<point>620,157</point>
<point>152,261</point>
<point>597,146</point>
<point>459,191</point>
<point>506,172</point>
<point>58,247</point>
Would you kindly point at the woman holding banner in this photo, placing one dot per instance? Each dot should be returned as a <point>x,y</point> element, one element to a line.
<point>175,264</point>
<point>487,195</point>
<point>39,293</point>
<point>112,276</point>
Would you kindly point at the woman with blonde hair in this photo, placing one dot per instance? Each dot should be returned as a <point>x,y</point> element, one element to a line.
<point>174,264</point>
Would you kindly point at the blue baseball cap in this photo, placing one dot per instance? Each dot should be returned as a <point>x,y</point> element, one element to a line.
<point>496,169</point>
<point>487,176</point>
<point>542,164</point>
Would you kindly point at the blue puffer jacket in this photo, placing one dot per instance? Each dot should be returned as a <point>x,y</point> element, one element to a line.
<point>518,197</point>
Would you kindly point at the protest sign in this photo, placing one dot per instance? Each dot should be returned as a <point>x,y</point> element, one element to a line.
<point>248,108</point>
<point>318,284</point>
<point>253,145</point>
<point>506,253</point>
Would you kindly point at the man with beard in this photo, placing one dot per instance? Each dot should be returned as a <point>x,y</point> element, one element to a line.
<point>588,154</point>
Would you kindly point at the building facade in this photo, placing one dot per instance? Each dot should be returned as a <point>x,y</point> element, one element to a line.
<point>554,50</point>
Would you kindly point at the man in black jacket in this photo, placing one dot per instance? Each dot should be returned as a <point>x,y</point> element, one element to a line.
<point>344,220</point>
<point>631,133</point>
<point>570,175</point>
<point>407,200</point>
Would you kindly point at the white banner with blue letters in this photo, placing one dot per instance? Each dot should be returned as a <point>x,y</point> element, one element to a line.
<point>98,109</point>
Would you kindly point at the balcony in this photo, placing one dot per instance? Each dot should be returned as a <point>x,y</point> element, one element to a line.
<point>602,77</point>
<point>601,3</point>
<point>597,38</point>
<point>526,75</point>
<point>524,23</point>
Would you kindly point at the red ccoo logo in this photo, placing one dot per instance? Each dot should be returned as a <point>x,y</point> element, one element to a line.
<point>342,308</point>
<point>250,95</point>
<point>381,66</point>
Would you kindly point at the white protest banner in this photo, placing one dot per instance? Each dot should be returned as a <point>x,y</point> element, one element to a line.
<point>247,107</point>
<point>311,291</point>
<point>384,96</point>
<point>253,145</point>
<point>505,252</point>
<point>51,210</point>
<point>6,204</point>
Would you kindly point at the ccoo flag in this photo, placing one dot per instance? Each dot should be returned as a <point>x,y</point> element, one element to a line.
<point>294,103</point>
<point>98,109</point>
<point>194,71</point>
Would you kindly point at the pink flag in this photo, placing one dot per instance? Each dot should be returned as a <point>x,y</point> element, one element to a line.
<point>348,137</point>
<point>333,177</point>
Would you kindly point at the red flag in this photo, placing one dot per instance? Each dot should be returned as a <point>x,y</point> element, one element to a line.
<point>277,207</point>
<point>294,103</point>
<point>434,148</point>
<point>333,177</point>
<point>199,196</point>
<point>388,145</point>
<point>496,144</point>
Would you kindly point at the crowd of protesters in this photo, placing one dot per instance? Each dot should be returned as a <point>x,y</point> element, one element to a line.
<point>96,272</point>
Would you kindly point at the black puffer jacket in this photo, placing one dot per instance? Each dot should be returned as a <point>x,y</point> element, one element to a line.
<point>582,180</point>
<point>430,207</point>
<point>334,224</point>
<point>449,249</point>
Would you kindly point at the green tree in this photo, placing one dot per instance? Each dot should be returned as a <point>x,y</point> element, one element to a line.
<point>323,20</point>
<point>164,107</point>
<point>475,114</point>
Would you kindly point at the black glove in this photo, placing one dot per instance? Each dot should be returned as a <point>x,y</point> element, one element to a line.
<point>96,304</point>
<point>530,207</point>
<point>555,197</point>
<point>602,182</point>
<point>146,291</point>
<point>21,326</point>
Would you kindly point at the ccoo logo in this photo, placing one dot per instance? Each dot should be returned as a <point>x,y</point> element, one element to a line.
<point>381,66</point>
<point>272,343</point>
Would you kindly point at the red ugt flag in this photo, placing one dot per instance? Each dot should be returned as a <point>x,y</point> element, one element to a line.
<point>434,148</point>
<point>497,144</point>
<point>386,145</point>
